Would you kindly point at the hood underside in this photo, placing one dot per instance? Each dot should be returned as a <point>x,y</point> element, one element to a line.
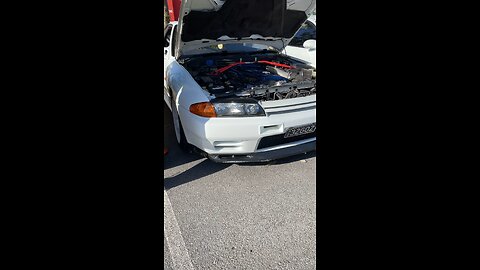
<point>211,22</point>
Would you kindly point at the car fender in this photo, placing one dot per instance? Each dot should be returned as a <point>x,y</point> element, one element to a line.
<point>184,89</point>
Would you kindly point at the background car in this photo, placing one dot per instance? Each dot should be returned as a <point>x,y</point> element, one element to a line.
<point>304,45</point>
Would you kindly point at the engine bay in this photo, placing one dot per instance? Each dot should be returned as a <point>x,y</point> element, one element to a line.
<point>262,76</point>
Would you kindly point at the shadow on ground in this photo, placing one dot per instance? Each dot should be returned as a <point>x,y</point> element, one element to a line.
<point>198,171</point>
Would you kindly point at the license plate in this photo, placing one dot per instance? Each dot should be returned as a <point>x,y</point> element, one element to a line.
<point>297,131</point>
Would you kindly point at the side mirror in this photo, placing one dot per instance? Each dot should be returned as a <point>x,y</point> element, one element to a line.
<point>310,44</point>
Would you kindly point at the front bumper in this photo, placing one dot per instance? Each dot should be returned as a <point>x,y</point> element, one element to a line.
<point>237,140</point>
<point>267,155</point>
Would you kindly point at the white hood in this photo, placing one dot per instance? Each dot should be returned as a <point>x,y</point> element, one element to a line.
<point>211,22</point>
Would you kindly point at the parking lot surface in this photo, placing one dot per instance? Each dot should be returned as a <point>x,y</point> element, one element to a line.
<point>220,216</point>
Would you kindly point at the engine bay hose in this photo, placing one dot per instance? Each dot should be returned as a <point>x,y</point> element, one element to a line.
<point>225,68</point>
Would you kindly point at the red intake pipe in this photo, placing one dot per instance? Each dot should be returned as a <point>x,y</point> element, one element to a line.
<point>225,68</point>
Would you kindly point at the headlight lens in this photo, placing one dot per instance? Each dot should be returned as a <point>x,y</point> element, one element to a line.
<point>238,108</point>
<point>228,108</point>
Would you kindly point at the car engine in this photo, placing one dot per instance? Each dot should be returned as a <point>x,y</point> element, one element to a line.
<point>264,77</point>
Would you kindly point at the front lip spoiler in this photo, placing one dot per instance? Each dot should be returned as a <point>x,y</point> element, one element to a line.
<point>265,156</point>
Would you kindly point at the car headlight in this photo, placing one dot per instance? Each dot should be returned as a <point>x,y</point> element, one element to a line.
<point>228,108</point>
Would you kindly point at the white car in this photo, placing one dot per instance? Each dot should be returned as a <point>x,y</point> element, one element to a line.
<point>232,101</point>
<point>304,45</point>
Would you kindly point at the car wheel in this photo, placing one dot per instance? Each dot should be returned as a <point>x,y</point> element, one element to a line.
<point>177,125</point>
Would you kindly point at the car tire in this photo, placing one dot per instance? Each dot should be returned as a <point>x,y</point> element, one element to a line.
<point>178,128</point>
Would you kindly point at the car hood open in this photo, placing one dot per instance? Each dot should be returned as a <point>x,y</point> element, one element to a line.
<point>211,22</point>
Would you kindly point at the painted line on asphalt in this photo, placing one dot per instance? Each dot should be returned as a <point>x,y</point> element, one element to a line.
<point>178,252</point>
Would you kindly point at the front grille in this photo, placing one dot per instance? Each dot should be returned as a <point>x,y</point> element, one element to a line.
<point>279,140</point>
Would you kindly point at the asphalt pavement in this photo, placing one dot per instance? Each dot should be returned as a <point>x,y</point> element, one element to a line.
<point>221,216</point>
